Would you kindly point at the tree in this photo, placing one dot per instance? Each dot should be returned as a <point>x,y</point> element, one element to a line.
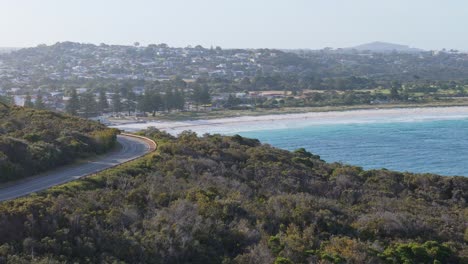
<point>103,104</point>
<point>245,83</point>
<point>394,94</point>
<point>169,100</point>
<point>201,95</point>
<point>39,101</point>
<point>29,244</point>
<point>156,102</point>
<point>4,101</point>
<point>73,104</point>
<point>232,101</point>
<point>178,82</point>
<point>196,92</point>
<point>88,103</point>
<point>116,102</point>
<point>205,97</point>
<point>179,99</point>
<point>28,101</point>
<point>150,102</point>
<point>428,252</point>
<point>130,102</point>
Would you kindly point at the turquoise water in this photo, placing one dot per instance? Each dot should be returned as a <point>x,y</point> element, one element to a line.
<point>439,147</point>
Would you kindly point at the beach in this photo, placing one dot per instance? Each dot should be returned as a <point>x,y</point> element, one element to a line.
<point>234,125</point>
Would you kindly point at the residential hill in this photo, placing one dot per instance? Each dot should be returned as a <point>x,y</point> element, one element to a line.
<point>384,47</point>
<point>216,199</point>
<point>32,141</point>
<point>7,50</point>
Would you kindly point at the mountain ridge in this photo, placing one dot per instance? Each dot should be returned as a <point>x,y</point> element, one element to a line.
<point>385,47</point>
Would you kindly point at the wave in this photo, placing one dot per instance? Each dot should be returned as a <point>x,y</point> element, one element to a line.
<point>294,121</point>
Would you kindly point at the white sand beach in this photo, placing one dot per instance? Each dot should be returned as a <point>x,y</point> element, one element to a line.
<point>271,122</point>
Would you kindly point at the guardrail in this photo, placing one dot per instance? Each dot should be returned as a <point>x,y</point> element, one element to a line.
<point>154,145</point>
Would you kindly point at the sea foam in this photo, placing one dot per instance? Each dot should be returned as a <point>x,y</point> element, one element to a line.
<point>292,121</point>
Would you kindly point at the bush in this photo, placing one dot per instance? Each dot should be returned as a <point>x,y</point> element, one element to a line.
<point>32,141</point>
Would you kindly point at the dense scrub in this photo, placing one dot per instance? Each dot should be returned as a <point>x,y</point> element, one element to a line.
<point>216,199</point>
<point>32,141</point>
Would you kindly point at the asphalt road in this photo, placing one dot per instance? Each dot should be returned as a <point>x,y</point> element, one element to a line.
<point>131,148</point>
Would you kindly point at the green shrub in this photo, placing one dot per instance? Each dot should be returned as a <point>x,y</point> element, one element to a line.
<point>32,141</point>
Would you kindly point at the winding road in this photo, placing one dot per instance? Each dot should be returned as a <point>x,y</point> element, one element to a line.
<point>131,148</point>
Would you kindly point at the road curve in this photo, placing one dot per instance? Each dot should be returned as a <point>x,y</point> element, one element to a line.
<point>131,148</point>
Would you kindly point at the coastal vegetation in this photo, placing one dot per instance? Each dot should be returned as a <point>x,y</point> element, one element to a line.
<point>230,199</point>
<point>33,141</point>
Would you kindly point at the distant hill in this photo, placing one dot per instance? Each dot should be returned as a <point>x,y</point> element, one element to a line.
<point>7,50</point>
<point>384,47</point>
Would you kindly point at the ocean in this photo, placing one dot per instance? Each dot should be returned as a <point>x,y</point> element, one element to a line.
<point>432,140</point>
<point>439,147</point>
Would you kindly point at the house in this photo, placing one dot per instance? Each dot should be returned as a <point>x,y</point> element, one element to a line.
<point>273,94</point>
<point>81,90</point>
<point>15,90</point>
<point>138,90</point>
<point>240,95</point>
<point>56,94</point>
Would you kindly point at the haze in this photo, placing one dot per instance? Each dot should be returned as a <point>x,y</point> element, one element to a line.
<point>236,24</point>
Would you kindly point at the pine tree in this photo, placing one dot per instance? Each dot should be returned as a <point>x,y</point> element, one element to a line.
<point>179,99</point>
<point>196,94</point>
<point>130,102</point>
<point>150,102</point>
<point>103,105</point>
<point>88,103</point>
<point>394,93</point>
<point>169,100</point>
<point>156,102</point>
<point>39,101</point>
<point>73,104</point>
<point>116,103</point>
<point>28,101</point>
<point>205,97</point>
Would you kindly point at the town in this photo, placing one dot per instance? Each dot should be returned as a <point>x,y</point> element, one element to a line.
<point>91,80</point>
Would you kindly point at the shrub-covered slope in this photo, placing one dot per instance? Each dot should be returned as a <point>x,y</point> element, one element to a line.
<point>32,141</point>
<point>220,199</point>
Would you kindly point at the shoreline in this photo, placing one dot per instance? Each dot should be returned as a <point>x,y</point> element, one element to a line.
<point>231,125</point>
<point>218,114</point>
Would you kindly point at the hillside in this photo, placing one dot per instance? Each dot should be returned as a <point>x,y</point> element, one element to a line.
<point>7,50</point>
<point>32,141</point>
<point>384,47</point>
<point>220,199</point>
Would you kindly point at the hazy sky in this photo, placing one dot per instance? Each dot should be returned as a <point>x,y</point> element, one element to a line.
<point>428,24</point>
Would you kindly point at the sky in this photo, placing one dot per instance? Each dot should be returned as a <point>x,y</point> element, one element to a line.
<point>284,24</point>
